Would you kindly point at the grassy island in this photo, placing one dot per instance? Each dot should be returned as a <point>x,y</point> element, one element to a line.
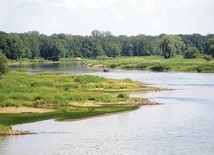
<point>26,97</point>
<point>156,63</point>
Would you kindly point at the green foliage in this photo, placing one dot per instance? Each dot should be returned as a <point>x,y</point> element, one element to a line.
<point>4,128</point>
<point>3,64</point>
<point>159,64</point>
<point>191,53</point>
<point>102,58</point>
<point>171,45</point>
<point>123,96</point>
<point>64,113</point>
<point>100,45</point>
<point>88,79</point>
<point>207,57</point>
<point>22,89</point>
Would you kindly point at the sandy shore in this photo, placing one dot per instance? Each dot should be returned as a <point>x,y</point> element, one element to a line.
<point>23,110</point>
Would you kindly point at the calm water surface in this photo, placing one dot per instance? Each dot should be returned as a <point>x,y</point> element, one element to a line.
<point>182,125</point>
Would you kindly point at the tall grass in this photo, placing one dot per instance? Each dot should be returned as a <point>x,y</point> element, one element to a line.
<point>157,63</point>
<point>22,89</point>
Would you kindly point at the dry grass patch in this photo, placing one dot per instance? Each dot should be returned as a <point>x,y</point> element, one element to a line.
<point>85,104</point>
<point>23,110</point>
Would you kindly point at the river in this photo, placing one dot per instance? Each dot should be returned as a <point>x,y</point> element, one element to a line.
<point>182,125</point>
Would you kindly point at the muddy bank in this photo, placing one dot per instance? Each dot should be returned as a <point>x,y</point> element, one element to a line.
<point>15,132</point>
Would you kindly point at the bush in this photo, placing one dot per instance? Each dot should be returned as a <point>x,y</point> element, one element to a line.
<point>127,80</point>
<point>102,58</point>
<point>5,128</point>
<point>191,53</point>
<point>42,83</point>
<point>123,96</point>
<point>113,65</point>
<point>85,79</point>
<point>207,57</point>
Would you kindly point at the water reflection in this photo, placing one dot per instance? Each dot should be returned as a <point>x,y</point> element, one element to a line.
<point>67,67</point>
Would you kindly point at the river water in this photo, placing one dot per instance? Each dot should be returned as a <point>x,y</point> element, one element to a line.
<point>184,124</point>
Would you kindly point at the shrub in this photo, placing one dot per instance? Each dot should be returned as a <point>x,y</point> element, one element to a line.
<point>88,79</point>
<point>127,80</point>
<point>207,57</point>
<point>123,96</point>
<point>5,128</point>
<point>21,70</point>
<point>42,83</point>
<point>113,65</point>
<point>102,58</point>
<point>191,53</point>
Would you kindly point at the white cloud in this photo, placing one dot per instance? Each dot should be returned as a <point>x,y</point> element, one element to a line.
<point>16,2</point>
<point>139,16</point>
<point>188,3</point>
<point>75,5</point>
<point>120,17</point>
<point>155,24</point>
<point>144,5</point>
<point>51,3</point>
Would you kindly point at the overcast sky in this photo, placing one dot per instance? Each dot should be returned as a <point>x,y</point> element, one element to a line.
<point>120,17</point>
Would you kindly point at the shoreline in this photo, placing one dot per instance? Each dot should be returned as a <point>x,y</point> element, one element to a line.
<point>11,116</point>
<point>146,102</point>
<point>173,69</point>
<point>15,133</point>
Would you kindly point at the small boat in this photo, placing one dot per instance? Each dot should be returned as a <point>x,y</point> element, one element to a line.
<point>105,70</point>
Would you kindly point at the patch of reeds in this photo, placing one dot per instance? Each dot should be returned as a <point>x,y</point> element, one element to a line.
<point>22,89</point>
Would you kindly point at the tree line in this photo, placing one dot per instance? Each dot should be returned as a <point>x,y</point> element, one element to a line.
<point>101,45</point>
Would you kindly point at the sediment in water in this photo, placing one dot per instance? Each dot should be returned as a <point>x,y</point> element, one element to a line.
<point>15,132</point>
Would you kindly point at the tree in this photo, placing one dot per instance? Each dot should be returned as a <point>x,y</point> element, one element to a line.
<point>35,47</point>
<point>3,64</point>
<point>211,47</point>
<point>101,43</point>
<point>127,49</point>
<point>96,33</point>
<point>14,47</point>
<point>171,45</point>
<point>98,50</point>
<point>3,38</point>
<point>191,53</point>
<point>87,48</point>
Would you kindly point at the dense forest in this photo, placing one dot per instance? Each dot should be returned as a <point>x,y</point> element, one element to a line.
<point>101,45</point>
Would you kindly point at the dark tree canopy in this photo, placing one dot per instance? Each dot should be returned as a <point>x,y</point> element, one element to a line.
<point>100,44</point>
<point>191,53</point>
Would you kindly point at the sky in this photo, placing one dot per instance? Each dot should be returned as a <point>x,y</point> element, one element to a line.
<point>120,17</point>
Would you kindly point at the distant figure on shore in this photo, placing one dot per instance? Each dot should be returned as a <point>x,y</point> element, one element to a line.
<point>105,70</point>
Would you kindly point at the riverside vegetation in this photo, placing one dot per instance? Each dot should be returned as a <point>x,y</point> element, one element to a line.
<point>33,45</point>
<point>64,97</point>
<point>156,63</point>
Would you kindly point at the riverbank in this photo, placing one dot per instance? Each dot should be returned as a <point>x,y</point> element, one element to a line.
<point>26,115</point>
<point>153,63</point>
<point>156,63</point>
<point>15,132</point>
<point>34,97</point>
<point>25,61</point>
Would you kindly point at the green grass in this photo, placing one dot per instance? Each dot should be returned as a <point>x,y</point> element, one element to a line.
<point>18,89</point>
<point>72,112</point>
<point>4,128</point>
<point>157,63</point>
<point>22,89</point>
